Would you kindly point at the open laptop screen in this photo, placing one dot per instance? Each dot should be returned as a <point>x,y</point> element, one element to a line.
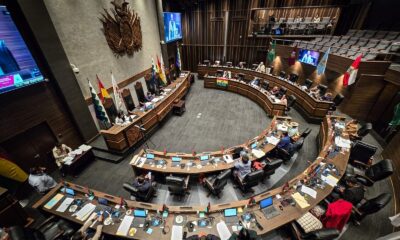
<point>150,156</point>
<point>230,212</point>
<point>266,202</point>
<point>139,213</point>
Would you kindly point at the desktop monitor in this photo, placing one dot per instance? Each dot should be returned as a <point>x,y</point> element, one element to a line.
<point>266,202</point>
<point>308,57</point>
<point>150,156</point>
<point>176,159</point>
<point>204,157</point>
<point>139,213</point>
<point>172,26</point>
<point>230,212</point>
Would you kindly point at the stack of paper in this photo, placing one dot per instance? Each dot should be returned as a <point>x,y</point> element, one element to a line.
<point>282,127</point>
<point>223,231</point>
<point>65,204</point>
<point>85,211</point>
<point>85,147</point>
<point>309,191</point>
<point>331,180</point>
<point>300,200</point>
<point>177,232</point>
<point>343,143</point>
<point>53,201</point>
<point>124,226</point>
<point>258,153</point>
<point>273,140</point>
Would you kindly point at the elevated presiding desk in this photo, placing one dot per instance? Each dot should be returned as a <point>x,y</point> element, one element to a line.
<point>312,108</point>
<point>291,200</point>
<point>121,137</point>
<point>259,95</point>
<point>208,162</point>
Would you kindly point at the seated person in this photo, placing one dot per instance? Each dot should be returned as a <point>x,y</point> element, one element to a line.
<point>352,128</point>
<point>314,92</point>
<point>255,82</point>
<point>40,180</point>
<point>275,91</point>
<point>86,233</point>
<point>284,100</point>
<point>149,97</point>
<point>299,19</point>
<point>243,166</point>
<point>60,151</point>
<point>316,19</point>
<point>352,191</point>
<point>143,184</point>
<point>261,67</point>
<point>241,64</point>
<point>244,234</point>
<point>227,74</point>
<point>293,130</point>
<point>285,142</point>
<point>327,97</point>
<point>122,118</point>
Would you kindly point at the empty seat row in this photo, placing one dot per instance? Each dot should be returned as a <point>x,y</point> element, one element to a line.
<point>387,35</point>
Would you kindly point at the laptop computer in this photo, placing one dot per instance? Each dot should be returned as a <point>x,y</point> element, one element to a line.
<point>176,161</point>
<point>253,145</point>
<point>268,208</point>
<point>140,217</point>
<point>204,159</point>
<point>230,215</point>
<point>150,156</point>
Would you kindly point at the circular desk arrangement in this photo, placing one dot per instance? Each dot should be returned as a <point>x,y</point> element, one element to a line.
<point>302,192</point>
<point>311,108</point>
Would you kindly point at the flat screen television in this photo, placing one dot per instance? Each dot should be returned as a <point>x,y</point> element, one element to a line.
<point>17,66</point>
<point>172,26</point>
<point>308,56</point>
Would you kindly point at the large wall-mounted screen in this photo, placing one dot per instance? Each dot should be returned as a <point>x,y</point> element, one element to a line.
<point>172,26</point>
<point>17,66</point>
<point>308,56</point>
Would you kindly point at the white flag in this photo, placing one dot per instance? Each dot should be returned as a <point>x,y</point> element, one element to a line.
<point>119,105</point>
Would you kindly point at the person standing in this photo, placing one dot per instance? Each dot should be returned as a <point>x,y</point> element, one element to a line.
<point>60,151</point>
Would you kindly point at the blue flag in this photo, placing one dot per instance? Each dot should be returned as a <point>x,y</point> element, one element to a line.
<point>322,64</point>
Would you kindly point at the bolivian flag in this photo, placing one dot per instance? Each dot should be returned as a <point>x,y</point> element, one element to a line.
<point>102,89</point>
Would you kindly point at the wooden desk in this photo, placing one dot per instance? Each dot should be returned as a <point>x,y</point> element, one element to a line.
<point>288,214</point>
<point>258,95</point>
<point>79,161</point>
<point>311,108</point>
<point>196,167</point>
<point>119,138</point>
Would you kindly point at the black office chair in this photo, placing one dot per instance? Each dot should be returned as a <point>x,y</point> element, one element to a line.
<point>298,144</point>
<point>369,174</point>
<point>219,73</point>
<point>290,103</point>
<point>216,184</point>
<point>305,133</point>
<point>322,89</point>
<point>293,77</point>
<point>336,102</point>
<point>177,185</point>
<point>321,234</point>
<point>236,152</point>
<point>265,84</point>
<point>282,91</point>
<point>272,69</point>
<point>241,77</point>
<point>254,66</point>
<point>282,74</point>
<point>51,228</point>
<point>308,83</point>
<point>138,195</point>
<point>363,131</point>
<point>270,167</point>
<point>283,154</point>
<point>229,64</point>
<point>250,180</point>
<point>370,206</point>
<point>243,64</point>
<point>362,152</point>
<point>206,62</point>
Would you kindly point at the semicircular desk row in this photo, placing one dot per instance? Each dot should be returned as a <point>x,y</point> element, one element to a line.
<point>122,137</point>
<point>168,222</point>
<point>310,107</point>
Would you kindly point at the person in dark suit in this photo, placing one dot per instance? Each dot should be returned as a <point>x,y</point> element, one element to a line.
<point>8,64</point>
<point>142,184</point>
<point>285,142</point>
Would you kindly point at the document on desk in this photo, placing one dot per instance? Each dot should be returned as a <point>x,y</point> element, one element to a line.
<point>273,140</point>
<point>330,180</point>
<point>85,147</point>
<point>228,159</point>
<point>65,204</point>
<point>124,226</point>
<point>223,231</point>
<point>300,200</point>
<point>309,191</point>
<point>343,143</point>
<point>258,153</point>
<point>85,212</point>
<point>282,128</point>
<point>50,204</point>
<point>177,233</point>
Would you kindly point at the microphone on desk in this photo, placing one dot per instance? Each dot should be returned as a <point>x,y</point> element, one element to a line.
<point>140,127</point>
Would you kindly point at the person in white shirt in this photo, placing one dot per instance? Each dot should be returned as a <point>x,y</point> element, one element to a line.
<point>317,19</point>
<point>298,19</point>
<point>39,180</point>
<point>261,67</point>
<point>255,82</point>
<point>60,151</point>
<point>293,130</point>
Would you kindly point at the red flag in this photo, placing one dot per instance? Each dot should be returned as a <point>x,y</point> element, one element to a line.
<point>193,153</point>
<point>351,73</point>
<point>103,91</point>
<point>222,149</point>
<point>165,151</point>
<point>292,58</point>
<point>158,64</point>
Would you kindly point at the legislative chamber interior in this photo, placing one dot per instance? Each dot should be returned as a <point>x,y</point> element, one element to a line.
<point>199,119</point>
